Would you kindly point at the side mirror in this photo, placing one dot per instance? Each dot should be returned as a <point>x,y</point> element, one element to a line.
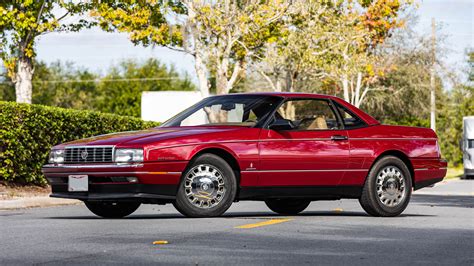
<point>281,124</point>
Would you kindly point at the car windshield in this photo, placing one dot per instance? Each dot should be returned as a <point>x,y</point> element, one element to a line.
<point>233,110</point>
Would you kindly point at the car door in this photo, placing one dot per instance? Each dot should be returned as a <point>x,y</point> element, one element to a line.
<point>304,145</point>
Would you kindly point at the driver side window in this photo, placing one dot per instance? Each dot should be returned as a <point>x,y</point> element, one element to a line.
<point>308,114</point>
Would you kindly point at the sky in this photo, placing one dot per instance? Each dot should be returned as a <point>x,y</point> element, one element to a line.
<point>97,50</point>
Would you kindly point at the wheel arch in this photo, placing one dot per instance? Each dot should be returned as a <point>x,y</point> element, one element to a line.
<point>400,155</point>
<point>226,156</point>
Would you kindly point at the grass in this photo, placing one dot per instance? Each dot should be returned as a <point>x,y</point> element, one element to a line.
<point>454,172</point>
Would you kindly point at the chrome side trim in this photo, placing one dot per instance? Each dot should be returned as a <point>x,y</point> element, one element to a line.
<point>117,173</point>
<point>307,171</point>
<point>302,139</point>
<point>92,166</point>
<point>426,169</point>
<point>393,139</point>
<point>268,140</point>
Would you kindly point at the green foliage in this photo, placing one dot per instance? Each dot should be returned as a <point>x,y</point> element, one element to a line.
<point>453,106</point>
<point>22,21</point>
<point>408,121</point>
<point>65,85</point>
<point>119,92</point>
<point>27,133</point>
<point>145,21</point>
<point>459,104</point>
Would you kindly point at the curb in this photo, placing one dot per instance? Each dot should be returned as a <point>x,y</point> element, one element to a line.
<point>35,202</point>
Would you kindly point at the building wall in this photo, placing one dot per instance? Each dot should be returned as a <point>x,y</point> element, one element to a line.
<point>159,106</point>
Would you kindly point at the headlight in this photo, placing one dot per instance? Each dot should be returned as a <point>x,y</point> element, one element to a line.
<point>56,156</point>
<point>128,155</point>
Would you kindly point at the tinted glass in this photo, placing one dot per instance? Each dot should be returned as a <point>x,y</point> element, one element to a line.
<point>350,120</point>
<point>308,114</point>
<point>238,110</point>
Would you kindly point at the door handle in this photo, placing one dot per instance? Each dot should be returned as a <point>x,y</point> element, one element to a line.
<point>338,137</point>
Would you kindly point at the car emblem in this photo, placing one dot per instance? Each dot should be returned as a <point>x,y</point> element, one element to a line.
<point>84,155</point>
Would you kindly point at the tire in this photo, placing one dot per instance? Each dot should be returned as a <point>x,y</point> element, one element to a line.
<point>382,194</point>
<point>107,209</point>
<point>207,189</point>
<point>287,206</point>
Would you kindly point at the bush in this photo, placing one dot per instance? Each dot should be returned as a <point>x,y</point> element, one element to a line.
<point>27,133</point>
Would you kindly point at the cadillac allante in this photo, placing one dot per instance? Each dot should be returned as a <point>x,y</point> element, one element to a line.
<point>286,149</point>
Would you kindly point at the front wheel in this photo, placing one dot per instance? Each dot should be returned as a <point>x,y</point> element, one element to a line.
<point>207,188</point>
<point>287,206</point>
<point>107,209</point>
<point>388,187</point>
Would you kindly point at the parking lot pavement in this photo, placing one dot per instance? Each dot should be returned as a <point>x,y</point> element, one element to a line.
<point>450,187</point>
<point>435,229</point>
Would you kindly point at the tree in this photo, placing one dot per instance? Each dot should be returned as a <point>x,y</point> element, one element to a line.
<point>222,36</point>
<point>119,92</point>
<point>21,23</point>
<point>456,104</point>
<point>335,42</point>
<point>63,84</point>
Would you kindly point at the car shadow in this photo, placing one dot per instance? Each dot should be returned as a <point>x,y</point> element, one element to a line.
<point>418,199</point>
<point>239,215</point>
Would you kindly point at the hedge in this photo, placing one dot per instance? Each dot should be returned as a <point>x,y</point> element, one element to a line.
<point>27,133</point>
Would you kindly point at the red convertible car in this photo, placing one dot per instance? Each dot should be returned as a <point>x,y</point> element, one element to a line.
<point>286,149</point>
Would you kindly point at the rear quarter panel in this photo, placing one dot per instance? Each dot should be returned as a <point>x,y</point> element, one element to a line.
<point>418,144</point>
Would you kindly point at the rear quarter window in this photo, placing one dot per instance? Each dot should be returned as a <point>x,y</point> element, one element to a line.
<point>350,120</point>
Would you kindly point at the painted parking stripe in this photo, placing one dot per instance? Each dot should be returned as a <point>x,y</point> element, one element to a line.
<point>265,223</point>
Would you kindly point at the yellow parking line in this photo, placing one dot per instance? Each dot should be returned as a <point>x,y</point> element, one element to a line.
<point>269,222</point>
<point>160,242</point>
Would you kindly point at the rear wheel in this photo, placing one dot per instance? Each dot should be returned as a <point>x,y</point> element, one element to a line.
<point>287,206</point>
<point>112,209</point>
<point>207,188</point>
<point>387,189</point>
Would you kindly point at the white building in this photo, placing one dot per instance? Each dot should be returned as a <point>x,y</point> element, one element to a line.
<point>159,106</point>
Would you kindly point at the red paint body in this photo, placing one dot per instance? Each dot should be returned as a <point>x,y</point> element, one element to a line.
<point>269,158</point>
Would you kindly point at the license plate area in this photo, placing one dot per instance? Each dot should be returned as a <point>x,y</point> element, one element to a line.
<point>78,183</point>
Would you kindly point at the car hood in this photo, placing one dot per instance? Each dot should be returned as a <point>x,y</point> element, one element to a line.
<point>143,137</point>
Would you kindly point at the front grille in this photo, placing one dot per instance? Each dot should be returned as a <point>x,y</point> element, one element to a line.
<point>88,154</point>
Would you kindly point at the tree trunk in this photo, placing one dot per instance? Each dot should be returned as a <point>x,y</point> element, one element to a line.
<point>202,76</point>
<point>23,78</point>
<point>345,87</point>
<point>193,33</point>
<point>357,97</point>
<point>221,77</point>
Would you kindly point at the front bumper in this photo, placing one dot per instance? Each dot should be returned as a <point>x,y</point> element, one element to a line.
<point>156,181</point>
<point>118,192</point>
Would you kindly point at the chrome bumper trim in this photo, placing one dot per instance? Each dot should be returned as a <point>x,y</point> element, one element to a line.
<point>92,166</point>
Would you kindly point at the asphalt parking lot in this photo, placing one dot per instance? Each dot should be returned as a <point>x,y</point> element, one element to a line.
<point>437,228</point>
